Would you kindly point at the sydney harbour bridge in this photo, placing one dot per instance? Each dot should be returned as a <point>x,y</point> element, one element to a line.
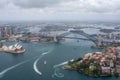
<point>57,38</point>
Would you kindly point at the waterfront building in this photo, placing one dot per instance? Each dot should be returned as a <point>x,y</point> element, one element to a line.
<point>111,63</point>
<point>118,69</point>
<point>105,69</point>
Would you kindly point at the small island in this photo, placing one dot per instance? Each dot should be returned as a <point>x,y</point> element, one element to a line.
<point>98,64</point>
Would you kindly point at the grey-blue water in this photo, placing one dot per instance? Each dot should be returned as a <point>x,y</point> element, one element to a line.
<point>30,65</point>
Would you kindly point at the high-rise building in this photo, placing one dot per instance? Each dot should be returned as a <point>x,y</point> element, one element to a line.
<point>4,32</point>
<point>7,31</point>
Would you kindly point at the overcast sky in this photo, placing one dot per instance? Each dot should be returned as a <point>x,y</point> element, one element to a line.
<point>81,10</point>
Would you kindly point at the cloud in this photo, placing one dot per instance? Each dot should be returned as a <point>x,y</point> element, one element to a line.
<point>95,6</point>
<point>37,3</point>
<point>60,9</point>
<point>102,6</point>
<point>3,3</point>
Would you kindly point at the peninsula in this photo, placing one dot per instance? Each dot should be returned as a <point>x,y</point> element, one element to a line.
<point>15,49</point>
<point>98,64</point>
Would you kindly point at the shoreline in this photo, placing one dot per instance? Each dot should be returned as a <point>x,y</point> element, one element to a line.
<point>95,76</point>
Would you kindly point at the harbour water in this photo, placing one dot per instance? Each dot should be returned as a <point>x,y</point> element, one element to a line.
<point>30,65</point>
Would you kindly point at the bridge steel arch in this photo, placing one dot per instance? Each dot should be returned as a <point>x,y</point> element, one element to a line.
<point>90,38</point>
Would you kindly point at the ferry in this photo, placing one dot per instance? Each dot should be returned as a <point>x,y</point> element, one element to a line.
<point>16,49</point>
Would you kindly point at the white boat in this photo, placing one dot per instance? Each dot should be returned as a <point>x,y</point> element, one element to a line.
<point>45,62</point>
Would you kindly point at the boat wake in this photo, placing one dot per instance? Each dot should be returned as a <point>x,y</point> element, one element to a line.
<point>36,61</point>
<point>57,73</point>
<point>61,64</point>
<point>44,53</point>
<point>12,67</point>
<point>57,70</point>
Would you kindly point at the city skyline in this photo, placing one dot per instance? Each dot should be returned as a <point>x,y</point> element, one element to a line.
<point>60,10</point>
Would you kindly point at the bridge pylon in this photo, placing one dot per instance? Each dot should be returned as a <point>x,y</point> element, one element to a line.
<point>100,39</point>
<point>55,38</point>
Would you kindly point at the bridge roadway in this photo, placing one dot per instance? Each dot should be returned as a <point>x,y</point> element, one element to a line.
<point>76,38</point>
<point>63,37</point>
